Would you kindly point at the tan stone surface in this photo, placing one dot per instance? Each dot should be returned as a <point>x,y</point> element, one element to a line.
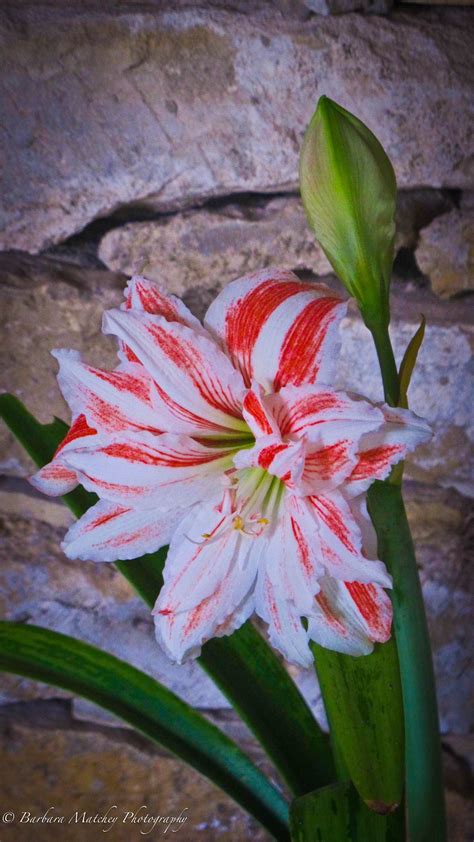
<point>166,109</point>
<point>446,253</point>
<point>90,772</point>
<point>211,248</point>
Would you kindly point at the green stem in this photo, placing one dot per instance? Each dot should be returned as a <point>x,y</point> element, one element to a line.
<point>424,779</point>
<point>388,366</point>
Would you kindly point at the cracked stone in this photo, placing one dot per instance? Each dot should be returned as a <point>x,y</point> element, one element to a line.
<point>208,248</point>
<point>446,253</point>
<point>165,109</point>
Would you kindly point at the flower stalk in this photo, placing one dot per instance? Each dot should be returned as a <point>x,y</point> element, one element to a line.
<point>424,775</point>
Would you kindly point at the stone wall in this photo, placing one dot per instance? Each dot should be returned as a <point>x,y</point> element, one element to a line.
<point>164,138</point>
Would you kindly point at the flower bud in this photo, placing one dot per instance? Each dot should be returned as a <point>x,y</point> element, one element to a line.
<point>348,190</point>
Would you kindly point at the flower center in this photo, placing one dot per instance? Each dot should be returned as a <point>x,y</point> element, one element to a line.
<point>250,504</point>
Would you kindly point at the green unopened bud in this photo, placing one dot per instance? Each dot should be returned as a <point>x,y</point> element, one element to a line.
<point>348,189</point>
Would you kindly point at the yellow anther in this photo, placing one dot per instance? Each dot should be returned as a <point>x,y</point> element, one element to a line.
<point>263,520</point>
<point>206,534</point>
<point>238,523</point>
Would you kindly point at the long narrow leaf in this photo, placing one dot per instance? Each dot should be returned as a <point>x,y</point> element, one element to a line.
<point>243,666</point>
<point>337,814</point>
<point>135,697</point>
<point>408,363</point>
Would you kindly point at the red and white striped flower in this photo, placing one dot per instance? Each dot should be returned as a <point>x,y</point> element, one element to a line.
<point>229,442</point>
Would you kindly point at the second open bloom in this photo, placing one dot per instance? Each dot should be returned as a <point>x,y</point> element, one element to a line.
<point>229,442</point>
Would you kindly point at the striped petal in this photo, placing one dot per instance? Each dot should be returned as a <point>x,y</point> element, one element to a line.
<point>150,297</point>
<point>56,478</point>
<point>111,400</point>
<point>258,414</point>
<point>110,531</point>
<point>285,629</point>
<point>207,582</point>
<point>276,329</point>
<point>342,550</point>
<point>197,390</point>
<point>294,558</point>
<point>380,450</point>
<point>349,617</point>
<point>163,471</point>
<point>322,415</point>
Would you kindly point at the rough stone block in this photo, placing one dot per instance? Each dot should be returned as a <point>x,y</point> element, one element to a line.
<point>166,109</point>
<point>446,253</point>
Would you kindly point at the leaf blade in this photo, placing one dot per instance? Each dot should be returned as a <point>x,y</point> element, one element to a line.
<point>363,701</point>
<point>407,365</point>
<point>337,813</point>
<point>135,697</point>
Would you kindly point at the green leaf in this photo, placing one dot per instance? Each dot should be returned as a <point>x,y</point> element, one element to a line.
<point>135,697</point>
<point>337,814</point>
<point>243,666</point>
<point>424,776</point>
<point>363,702</point>
<point>408,363</point>
<point>348,190</point>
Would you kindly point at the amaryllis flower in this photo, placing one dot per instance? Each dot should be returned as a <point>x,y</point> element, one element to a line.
<point>230,443</point>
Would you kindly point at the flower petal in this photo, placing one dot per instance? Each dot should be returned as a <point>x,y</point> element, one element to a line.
<point>55,478</point>
<point>342,553</point>
<point>257,413</point>
<point>285,629</point>
<point>111,400</point>
<point>281,459</point>
<point>322,415</point>
<point>110,531</point>
<point>331,423</point>
<point>349,617</point>
<point>380,450</point>
<point>149,297</point>
<point>294,559</point>
<point>162,471</point>
<point>277,329</point>
<point>208,582</point>
<point>197,389</point>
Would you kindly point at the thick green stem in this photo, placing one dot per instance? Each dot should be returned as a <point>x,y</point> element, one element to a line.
<point>424,779</point>
<point>388,366</point>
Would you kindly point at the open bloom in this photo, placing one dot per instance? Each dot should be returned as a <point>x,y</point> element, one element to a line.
<point>229,442</point>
